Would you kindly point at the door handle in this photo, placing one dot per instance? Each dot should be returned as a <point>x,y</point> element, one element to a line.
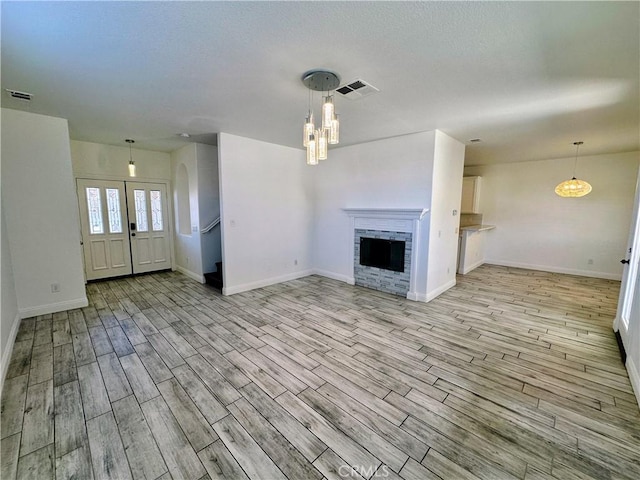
<point>133,226</point>
<point>624,261</point>
<point>133,234</point>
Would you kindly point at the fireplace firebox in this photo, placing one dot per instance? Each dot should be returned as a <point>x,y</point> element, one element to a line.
<point>382,260</point>
<point>382,253</point>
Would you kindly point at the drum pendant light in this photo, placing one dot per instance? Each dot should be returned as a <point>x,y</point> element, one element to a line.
<point>574,188</point>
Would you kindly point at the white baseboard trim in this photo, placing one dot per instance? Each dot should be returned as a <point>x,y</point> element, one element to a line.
<point>634,376</point>
<point>421,297</point>
<point>335,276</point>
<point>7,349</point>
<point>471,267</point>
<point>53,307</point>
<point>417,297</point>
<point>265,283</point>
<point>440,290</point>
<point>190,274</point>
<point>552,269</point>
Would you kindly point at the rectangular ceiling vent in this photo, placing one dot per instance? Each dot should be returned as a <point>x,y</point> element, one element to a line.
<point>357,89</point>
<point>19,95</point>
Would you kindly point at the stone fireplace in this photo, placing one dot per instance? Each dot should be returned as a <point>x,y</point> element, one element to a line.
<point>382,277</point>
<point>397,227</point>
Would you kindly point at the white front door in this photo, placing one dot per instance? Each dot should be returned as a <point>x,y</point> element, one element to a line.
<point>149,227</point>
<point>105,233</point>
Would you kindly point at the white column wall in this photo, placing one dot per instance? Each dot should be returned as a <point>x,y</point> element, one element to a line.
<point>41,213</point>
<point>266,199</point>
<point>446,196</point>
<point>10,316</point>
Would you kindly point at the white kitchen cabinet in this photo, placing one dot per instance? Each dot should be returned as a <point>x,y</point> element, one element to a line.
<point>470,195</point>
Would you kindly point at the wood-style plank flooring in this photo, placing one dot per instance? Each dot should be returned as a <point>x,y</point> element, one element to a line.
<point>512,374</point>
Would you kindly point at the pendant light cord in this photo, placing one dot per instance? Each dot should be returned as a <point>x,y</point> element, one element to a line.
<point>575,163</point>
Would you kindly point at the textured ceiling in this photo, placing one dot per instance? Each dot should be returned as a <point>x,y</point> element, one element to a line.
<point>527,78</point>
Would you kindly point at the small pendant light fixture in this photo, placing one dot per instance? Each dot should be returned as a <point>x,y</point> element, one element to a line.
<point>574,188</point>
<point>317,141</point>
<point>132,165</point>
<point>312,154</point>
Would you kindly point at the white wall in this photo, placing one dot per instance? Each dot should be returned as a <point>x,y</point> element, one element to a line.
<point>209,205</point>
<point>41,213</point>
<point>390,173</point>
<point>267,206</point>
<point>182,199</point>
<point>539,230</point>
<point>109,162</point>
<point>187,245</point>
<point>422,170</point>
<point>446,195</point>
<point>10,319</point>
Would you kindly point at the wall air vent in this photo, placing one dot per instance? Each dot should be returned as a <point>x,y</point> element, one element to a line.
<point>19,95</point>
<point>357,89</point>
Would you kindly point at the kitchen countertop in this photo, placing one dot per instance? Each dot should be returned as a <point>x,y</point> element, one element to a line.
<point>477,228</point>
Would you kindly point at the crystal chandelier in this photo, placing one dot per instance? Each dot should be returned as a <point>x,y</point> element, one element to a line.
<point>574,187</point>
<point>317,139</point>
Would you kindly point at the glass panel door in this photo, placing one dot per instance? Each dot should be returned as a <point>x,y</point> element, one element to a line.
<point>150,239</point>
<point>105,241</point>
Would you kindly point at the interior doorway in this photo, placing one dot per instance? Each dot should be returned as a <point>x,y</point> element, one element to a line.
<point>125,227</point>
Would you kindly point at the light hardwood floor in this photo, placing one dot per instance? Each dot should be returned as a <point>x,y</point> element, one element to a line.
<point>511,374</point>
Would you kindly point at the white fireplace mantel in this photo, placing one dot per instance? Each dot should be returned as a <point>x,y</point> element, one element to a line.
<point>391,213</point>
<point>390,219</point>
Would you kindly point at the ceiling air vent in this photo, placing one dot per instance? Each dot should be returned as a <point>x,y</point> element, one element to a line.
<point>357,89</point>
<point>19,95</point>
